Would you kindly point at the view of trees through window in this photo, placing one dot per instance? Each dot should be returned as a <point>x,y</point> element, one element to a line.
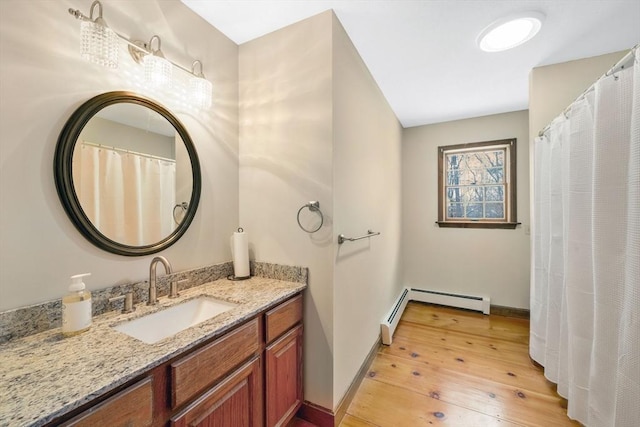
<point>475,187</point>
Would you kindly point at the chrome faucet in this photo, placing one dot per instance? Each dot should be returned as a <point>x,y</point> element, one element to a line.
<point>153,300</point>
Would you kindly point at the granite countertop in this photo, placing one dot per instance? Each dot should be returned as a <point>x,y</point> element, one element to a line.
<point>44,376</point>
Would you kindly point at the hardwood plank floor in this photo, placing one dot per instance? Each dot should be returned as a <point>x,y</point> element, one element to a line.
<point>458,368</point>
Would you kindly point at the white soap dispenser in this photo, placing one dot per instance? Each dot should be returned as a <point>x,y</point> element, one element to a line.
<point>76,307</point>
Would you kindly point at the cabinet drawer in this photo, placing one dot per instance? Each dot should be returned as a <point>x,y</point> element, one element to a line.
<point>283,317</point>
<point>192,374</point>
<point>131,407</point>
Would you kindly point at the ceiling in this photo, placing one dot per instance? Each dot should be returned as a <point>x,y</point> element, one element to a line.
<point>424,56</point>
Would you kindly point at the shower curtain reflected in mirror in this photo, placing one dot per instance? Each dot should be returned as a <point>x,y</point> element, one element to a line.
<point>128,197</point>
<point>585,289</point>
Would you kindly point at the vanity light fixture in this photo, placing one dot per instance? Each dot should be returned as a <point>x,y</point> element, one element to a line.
<point>157,69</point>
<point>509,32</point>
<point>98,42</point>
<point>200,89</point>
<point>100,45</point>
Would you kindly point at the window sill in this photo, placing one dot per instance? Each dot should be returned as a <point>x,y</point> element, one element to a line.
<point>477,224</point>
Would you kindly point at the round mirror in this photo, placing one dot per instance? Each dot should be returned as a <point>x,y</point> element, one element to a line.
<point>127,174</point>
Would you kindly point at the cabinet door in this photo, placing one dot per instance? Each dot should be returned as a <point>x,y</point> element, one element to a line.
<point>236,402</point>
<point>284,378</point>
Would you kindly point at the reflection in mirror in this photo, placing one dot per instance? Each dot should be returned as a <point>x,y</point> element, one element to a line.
<point>127,174</point>
<point>130,170</point>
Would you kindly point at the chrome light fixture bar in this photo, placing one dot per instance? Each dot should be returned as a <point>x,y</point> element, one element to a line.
<point>99,45</point>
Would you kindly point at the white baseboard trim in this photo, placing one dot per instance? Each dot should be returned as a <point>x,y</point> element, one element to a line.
<point>390,321</point>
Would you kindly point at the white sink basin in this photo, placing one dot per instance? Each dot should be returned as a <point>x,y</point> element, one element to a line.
<point>165,323</point>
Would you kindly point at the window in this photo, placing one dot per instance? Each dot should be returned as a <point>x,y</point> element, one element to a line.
<point>477,185</point>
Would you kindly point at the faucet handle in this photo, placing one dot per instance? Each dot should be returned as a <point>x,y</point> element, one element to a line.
<point>173,288</point>
<point>128,301</point>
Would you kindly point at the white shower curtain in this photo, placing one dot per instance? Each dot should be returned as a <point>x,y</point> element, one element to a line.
<point>129,198</point>
<point>585,289</point>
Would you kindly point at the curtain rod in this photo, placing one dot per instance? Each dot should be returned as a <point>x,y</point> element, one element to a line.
<point>123,150</point>
<point>626,62</point>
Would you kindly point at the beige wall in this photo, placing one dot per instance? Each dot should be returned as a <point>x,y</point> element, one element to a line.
<point>42,81</point>
<point>493,263</point>
<point>552,88</point>
<point>315,126</point>
<point>367,195</point>
<point>286,161</point>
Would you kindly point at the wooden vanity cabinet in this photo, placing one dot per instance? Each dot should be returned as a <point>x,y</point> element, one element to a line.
<point>249,377</point>
<point>283,362</point>
<point>237,401</point>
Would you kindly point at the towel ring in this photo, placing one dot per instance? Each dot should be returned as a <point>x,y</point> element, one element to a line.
<point>184,206</point>
<point>313,206</point>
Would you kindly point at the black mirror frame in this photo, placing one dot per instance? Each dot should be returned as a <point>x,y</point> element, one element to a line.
<point>63,173</point>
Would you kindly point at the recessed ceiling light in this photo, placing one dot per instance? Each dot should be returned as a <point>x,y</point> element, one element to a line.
<point>510,32</point>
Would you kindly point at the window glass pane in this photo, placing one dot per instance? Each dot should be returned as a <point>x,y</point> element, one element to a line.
<point>494,210</point>
<point>494,175</point>
<point>474,210</point>
<point>453,161</point>
<point>455,210</point>
<point>473,194</point>
<point>454,194</point>
<point>492,158</point>
<point>470,176</point>
<point>494,193</point>
<point>485,159</point>
<point>453,177</point>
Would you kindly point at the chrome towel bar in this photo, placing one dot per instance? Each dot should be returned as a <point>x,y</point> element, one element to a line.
<point>342,239</point>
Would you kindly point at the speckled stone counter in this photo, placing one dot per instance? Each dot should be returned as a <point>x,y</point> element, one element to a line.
<point>44,376</point>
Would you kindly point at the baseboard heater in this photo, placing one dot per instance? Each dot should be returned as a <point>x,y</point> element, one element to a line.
<point>390,322</point>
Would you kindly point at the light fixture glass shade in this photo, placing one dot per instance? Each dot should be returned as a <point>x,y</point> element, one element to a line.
<point>510,32</point>
<point>200,92</point>
<point>99,43</point>
<point>157,70</point>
